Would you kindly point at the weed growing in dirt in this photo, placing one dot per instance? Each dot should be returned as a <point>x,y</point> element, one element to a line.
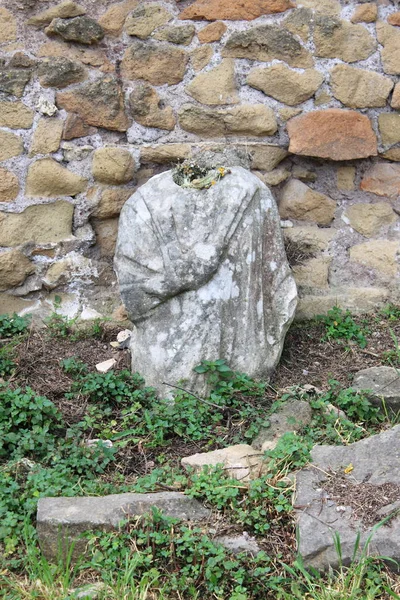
<point>10,326</point>
<point>391,312</point>
<point>341,325</point>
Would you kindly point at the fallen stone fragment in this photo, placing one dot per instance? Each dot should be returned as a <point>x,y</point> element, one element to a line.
<point>290,417</point>
<point>45,107</point>
<point>239,543</point>
<point>383,383</point>
<point>79,29</point>
<point>376,463</point>
<point>97,442</point>
<point>240,462</point>
<point>106,365</point>
<point>333,133</point>
<point>63,520</point>
<point>124,335</point>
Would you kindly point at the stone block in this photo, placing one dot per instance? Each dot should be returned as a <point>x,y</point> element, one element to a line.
<point>359,88</point>
<point>334,38</point>
<point>112,21</point>
<point>157,63</point>
<point>382,179</point>
<point>106,235</point>
<point>64,10</point>
<point>182,34</point>
<point>110,202</point>
<point>113,165</point>
<point>292,416</point>
<point>148,109</point>
<point>165,153</point>
<point>212,32</point>
<point>240,462</point>
<point>47,136</point>
<point>383,383</point>
<point>345,178</point>
<point>217,86</point>
<point>389,128</point>
<point>8,28</point>
<point>368,219</point>
<point>380,255</point>
<point>284,84</point>
<point>200,57</point>
<point>234,10</point>
<point>145,19</point>
<point>82,30</point>
<point>48,179</point>
<point>61,521</point>
<point>60,72</point>
<point>389,37</point>
<point>357,300</point>
<point>14,269</point>
<point>332,133</point>
<point>365,13</point>
<point>10,145</point>
<point>301,203</point>
<point>313,273</point>
<point>247,119</point>
<point>9,186</point>
<point>310,239</point>
<point>266,43</point>
<point>42,224</point>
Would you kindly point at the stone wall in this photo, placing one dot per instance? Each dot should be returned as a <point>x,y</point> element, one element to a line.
<point>97,96</point>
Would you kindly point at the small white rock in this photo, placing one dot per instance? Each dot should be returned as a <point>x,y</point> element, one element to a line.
<point>46,107</point>
<point>106,366</point>
<point>95,442</point>
<point>124,335</point>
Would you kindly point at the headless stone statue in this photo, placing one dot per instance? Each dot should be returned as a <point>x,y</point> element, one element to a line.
<point>203,275</point>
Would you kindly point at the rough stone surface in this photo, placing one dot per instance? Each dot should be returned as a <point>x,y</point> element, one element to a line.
<point>345,178</point>
<point>383,383</point>
<point>64,10</point>
<point>376,460</point>
<point>145,19</point>
<point>182,34</point>
<point>284,84</point>
<point>47,136</point>
<point>368,219</point>
<point>60,72</point>
<point>391,154</point>
<point>113,165</point>
<point>290,417</point>
<point>395,103</point>
<point>14,269</point>
<point>380,255</point>
<point>365,13</point>
<point>70,517</point>
<point>300,22</point>
<point>217,86</point>
<point>300,202</point>
<point>356,300</point>
<point>327,7</point>
<point>106,235</point>
<point>252,120</point>
<point>221,284</point>
<point>145,108</point>
<point>99,103</point>
<point>239,543</point>
<point>313,273</point>
<point>110,202</point>
<point>359,88</point>
<point>79,29</point>
<point>310,239</point>
<point>75,127</point>
<point>48,179</point>
<point>15,115</point>
<point>165,153</point>
<point>266,43</point>
<point>157,63</point>
<point>234,10</point>
<point>200,57</point>
<point>14,81</point>
<point>240,462</point>
<point>333,133</point>
<point>389,37</point>
<point>334,38</point>
<point>274,177</point>
<point>389,128</point>
<point>112,21</point>
<point>8,29</point>
<point>382,179</point>
<point>9,186</point>
<point>266,157</point>
<point>394,19</point>
<point>42,224</point>
<point>10,145</point>
<point>212,32</point>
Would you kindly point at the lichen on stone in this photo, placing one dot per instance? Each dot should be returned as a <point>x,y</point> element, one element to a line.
<point>190,174</point>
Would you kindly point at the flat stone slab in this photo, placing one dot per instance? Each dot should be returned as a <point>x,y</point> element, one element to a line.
<point>383,382</point>
<point>61,521</point>
<point>291,416</point>
<point>321,514</point>
<point>241,462</point>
